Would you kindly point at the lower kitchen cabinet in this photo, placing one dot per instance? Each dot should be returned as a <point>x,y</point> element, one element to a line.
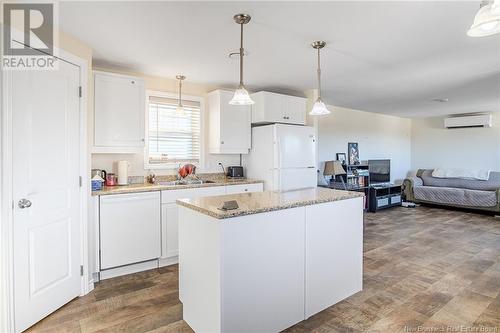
<point>129,229</point>
<point>245,188</point>
<point>170,241</point>
<point>169,221</point>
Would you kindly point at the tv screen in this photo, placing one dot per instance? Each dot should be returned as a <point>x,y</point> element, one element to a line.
<point>380,171</point>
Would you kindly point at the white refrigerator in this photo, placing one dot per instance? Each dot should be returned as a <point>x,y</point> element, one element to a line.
<point>284,156</point>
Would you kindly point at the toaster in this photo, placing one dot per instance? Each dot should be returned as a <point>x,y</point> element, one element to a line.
<point>235,171</point>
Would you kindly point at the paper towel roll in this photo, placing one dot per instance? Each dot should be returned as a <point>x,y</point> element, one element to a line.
<point>123,172</point>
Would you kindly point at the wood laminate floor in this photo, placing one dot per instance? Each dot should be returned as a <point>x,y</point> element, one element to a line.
<point>423,268</point>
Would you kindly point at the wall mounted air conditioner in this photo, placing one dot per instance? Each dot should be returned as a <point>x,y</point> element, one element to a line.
<point>480,120</point>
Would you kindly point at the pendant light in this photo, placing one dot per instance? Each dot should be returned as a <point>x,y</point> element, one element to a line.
<point>487,20</point>
<point>180,108</point>
<point>241,96</point>
<point>319,107</point>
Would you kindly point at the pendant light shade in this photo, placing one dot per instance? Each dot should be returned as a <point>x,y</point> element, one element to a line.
<point>486,21</point>
<point>319,108</point>
<point>241,95</point>
<point>180,108</point>
<point>495,7</point>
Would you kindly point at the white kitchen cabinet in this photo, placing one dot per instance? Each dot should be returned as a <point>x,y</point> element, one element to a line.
<point>169,220</point>
<point>245,188</point>
<point>278,108</point>
<point>334,253</point>
<point>169,210</point>
<point>119,113</point>
<point>129,226</point>
<point>229,125</point>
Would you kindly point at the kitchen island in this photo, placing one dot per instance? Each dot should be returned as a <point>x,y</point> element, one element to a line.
<point>276,260</point>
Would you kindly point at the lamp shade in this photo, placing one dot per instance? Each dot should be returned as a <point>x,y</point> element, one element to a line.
<point>241,97</point>
<point>333,168</point>
<point>319,108</point>
<point>486,22</point>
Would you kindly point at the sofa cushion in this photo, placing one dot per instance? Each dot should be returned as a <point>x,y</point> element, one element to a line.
<point>484,185</point>
<point>455,196</point>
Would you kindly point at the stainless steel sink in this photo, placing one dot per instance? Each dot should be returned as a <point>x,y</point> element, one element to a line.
<point>186,182</point>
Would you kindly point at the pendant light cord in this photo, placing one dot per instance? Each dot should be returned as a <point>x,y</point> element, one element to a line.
<point>241,55</point>
<point>319,77</point>
<point>180,92</point>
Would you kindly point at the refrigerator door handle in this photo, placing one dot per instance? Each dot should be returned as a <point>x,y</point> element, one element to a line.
<point>279,164</point>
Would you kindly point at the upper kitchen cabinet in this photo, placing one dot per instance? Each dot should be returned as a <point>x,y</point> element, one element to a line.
<point>278,108</point>
<point>229,125</point>
<point>119,112</point>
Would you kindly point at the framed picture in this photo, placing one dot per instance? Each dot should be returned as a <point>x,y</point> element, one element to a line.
<point>353,153</point>
<point>342,158</point>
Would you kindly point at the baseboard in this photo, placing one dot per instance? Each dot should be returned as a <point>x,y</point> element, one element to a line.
<point>168,261</point>
<point>129,269</point>
<point>90,286</point>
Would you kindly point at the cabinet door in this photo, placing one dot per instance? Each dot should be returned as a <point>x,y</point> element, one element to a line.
<point>294,110</point>
<point>119,112</point>
<point>244,188</point>
<point>235,126</point>
<point>170,224</point>
<point>169,211</point>
<point>273,108</point>
<point>129,228</point>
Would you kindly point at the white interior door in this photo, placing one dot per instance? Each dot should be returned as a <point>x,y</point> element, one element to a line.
<point>45,119</point>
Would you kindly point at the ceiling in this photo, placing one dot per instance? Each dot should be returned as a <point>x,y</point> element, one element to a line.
<point>387,57</point>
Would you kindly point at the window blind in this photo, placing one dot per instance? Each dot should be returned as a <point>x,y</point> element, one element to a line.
<point>173,136</point>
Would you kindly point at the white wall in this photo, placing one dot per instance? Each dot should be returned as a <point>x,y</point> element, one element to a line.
<point>379,137</point>
<point>434,146</point>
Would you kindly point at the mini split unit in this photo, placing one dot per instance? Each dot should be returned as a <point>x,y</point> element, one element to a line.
<point>480,120</point>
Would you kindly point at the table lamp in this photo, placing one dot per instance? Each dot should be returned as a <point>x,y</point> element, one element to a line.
<point>334,168</point>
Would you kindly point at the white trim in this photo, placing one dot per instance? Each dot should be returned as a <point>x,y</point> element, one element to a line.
<point>6,246</point>
<point>162,262</point>
<point>6,199</point>
<point>164,94</point>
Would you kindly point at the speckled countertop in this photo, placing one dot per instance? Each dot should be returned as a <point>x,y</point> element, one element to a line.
<point>146,187</point>
<point>260,202</point>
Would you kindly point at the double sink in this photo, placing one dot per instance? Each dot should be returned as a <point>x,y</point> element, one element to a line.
<point>186,182</point>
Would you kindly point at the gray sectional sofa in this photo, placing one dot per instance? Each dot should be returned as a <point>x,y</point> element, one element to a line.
<point>454,192</point>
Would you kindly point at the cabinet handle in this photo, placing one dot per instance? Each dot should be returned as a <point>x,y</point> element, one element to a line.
<point>246,190</point>
<point>143,140</point>
<point>222,142</point>
<point>133,82</point>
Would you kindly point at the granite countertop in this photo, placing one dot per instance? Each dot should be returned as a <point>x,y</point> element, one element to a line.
<point>260,202</point>
<point>146,187</point>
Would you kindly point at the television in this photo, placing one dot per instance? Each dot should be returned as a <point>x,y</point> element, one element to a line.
<point>380,171</point>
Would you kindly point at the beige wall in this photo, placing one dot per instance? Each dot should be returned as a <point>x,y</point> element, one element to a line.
<point>434,146</point>
<point>210,161</point>
<point>379,137</point>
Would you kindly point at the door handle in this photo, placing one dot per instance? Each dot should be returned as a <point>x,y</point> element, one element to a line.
<point>24,203</point>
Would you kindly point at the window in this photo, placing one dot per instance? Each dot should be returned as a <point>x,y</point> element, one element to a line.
<point>173,136</point>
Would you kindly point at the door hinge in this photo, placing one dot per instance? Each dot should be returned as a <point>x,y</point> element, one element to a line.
<point>80,180</point>
<point>81,270</point>
<point>80,91</point>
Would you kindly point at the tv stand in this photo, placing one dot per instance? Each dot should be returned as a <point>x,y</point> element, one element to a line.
<point>384,196</point>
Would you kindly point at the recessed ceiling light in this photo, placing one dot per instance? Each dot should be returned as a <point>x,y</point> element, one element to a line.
<point>440,100</point>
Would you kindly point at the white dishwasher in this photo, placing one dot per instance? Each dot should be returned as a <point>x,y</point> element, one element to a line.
<point>129,228</point>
